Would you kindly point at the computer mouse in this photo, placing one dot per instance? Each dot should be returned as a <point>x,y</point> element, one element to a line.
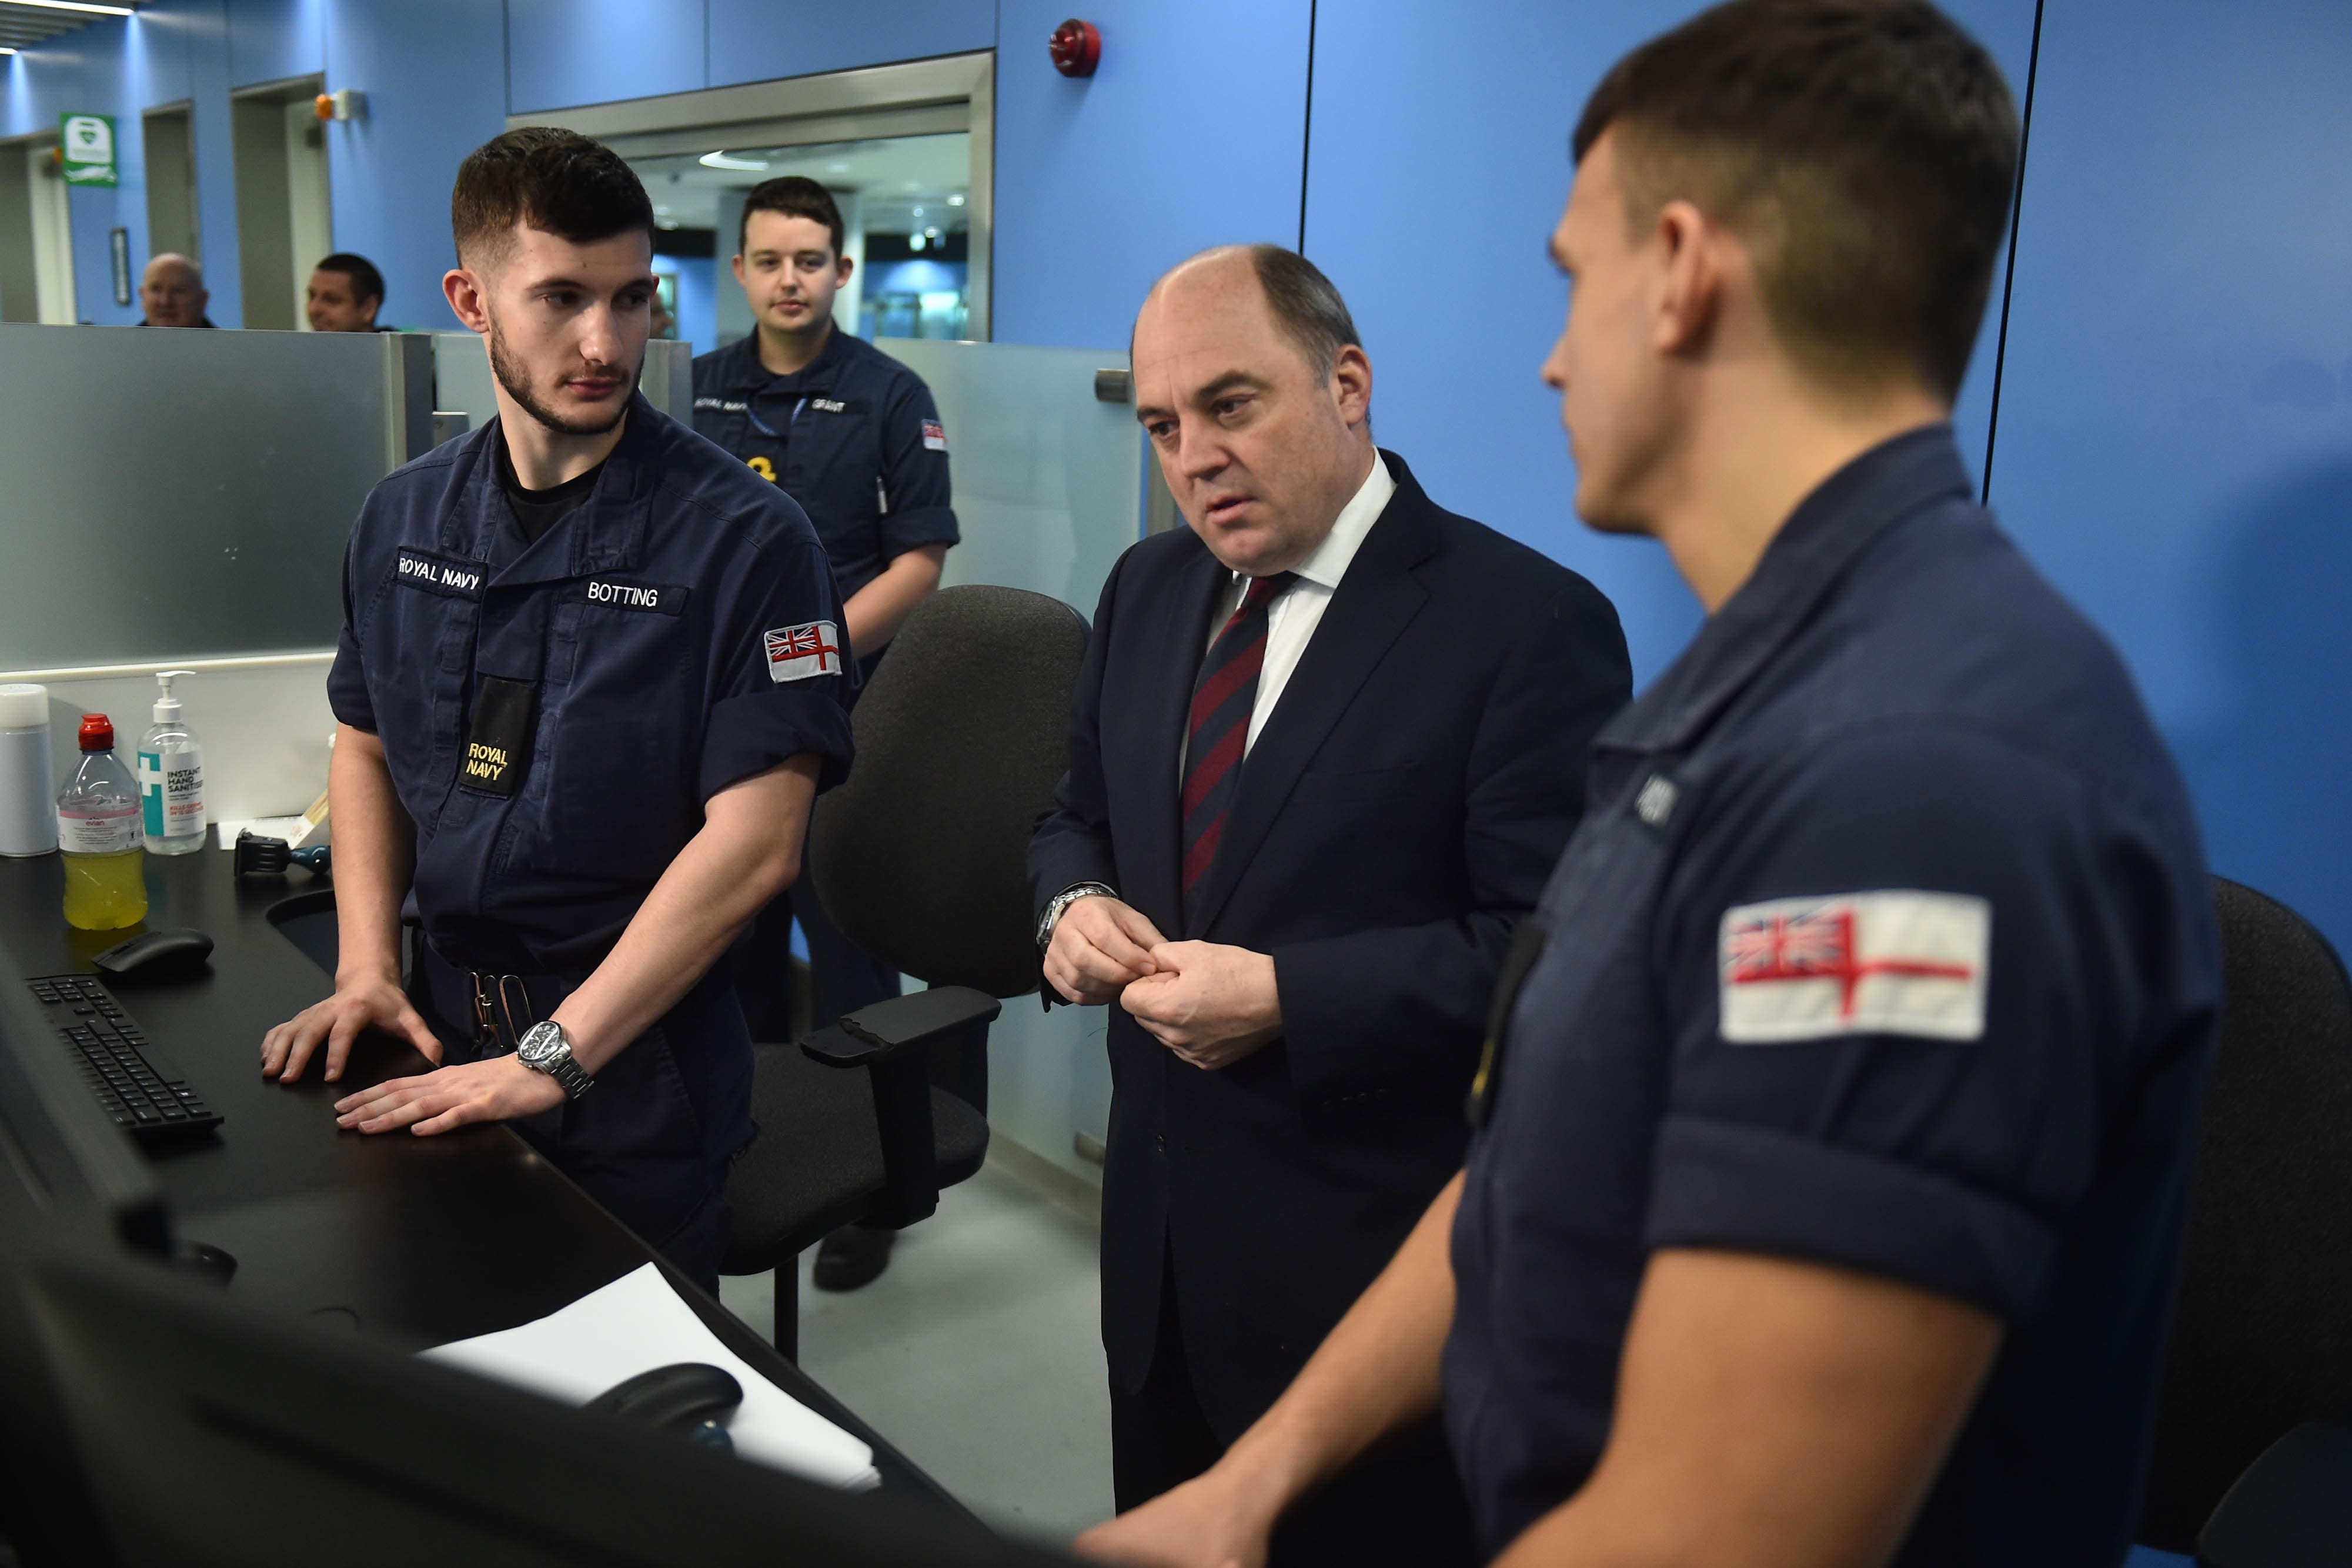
<point>679,1398</point>
<point>172,954</point>
<point>206,1261</point>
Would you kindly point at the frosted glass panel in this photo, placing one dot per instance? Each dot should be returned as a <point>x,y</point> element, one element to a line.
<point>187,494</point>
<point>1048,480</point>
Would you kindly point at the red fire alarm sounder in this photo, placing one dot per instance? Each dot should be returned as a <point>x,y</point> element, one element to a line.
<point>1077,48</point>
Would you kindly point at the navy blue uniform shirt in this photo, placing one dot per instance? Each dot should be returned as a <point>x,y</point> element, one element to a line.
<point>555,714</point>
<point>852,437</point>
<point>1886,943</point>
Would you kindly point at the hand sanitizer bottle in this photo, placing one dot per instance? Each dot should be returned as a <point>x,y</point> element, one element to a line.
<point>172,777</point>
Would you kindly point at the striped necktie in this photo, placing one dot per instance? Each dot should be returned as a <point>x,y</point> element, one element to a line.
<point>1221,700</point>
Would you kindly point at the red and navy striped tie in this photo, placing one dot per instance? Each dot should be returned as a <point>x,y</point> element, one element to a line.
<point>1221,700</point>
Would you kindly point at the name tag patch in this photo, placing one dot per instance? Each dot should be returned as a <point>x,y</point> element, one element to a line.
<point>660,597</point>
<point>1894,962</point>
<point>797,652</point>
<point>828,405</point>
<point>723,405</point>
<point>439,573</point>
<point>934,435</point>
<point>496,751</point>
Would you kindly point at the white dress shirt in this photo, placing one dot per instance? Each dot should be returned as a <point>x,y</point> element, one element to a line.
<point>1291,620</point>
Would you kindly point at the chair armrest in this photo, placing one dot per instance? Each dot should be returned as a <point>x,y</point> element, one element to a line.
<point>2292,1507</point>
<point>893,1040</point>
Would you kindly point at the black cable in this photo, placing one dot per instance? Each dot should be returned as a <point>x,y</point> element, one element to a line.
<point>2009,278</point>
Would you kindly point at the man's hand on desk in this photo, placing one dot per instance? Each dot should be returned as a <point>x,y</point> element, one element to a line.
<point>1209,1522</point>
<point>497,1089</point>
<point>1209,1003</point>
<point>1099,945</point>
<point>376,1003</point>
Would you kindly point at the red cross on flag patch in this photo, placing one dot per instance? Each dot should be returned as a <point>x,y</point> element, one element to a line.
<point>796,653</point>
<point>934,435</point>
<point>1860,963</point>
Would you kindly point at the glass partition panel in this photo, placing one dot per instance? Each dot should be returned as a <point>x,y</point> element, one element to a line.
<point>1048,478</point>
<point>187,494</point>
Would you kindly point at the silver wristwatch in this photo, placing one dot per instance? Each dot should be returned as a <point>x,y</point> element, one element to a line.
<point>545,1048</point>
<point>1062,901</point>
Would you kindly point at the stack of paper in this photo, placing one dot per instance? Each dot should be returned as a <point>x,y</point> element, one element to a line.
<point>636,1324</point>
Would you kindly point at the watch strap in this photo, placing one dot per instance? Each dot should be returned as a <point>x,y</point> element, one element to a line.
<point>1061,903</point>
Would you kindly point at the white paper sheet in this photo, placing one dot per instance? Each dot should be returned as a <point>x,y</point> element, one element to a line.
<point>636,1324</point>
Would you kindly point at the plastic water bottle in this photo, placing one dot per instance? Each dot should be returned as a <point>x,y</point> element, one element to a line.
<point>99,831</point>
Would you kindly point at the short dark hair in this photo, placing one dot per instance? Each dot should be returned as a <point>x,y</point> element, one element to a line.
<point>1867,149</point>
<point>367,283</point>
<point>1305,304</point>
<point>795,196</point>
<point>559,181</point>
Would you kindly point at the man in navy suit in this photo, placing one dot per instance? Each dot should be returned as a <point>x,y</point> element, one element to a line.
<point>1327,744</point>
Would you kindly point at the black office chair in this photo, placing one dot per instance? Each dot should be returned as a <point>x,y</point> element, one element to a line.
<point>2253,1460</point>
<point>921,860</point>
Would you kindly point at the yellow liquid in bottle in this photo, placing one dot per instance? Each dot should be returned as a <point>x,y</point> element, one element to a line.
<point>106,893</point>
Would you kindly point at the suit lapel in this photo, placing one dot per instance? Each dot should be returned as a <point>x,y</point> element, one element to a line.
<point>1174,638</point>
<point>1374,602</point>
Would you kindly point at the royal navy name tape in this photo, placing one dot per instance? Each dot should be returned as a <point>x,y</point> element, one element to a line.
<point>439,574</point>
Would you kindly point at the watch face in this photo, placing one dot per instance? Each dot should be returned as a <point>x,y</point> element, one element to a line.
<point>542,1041</point>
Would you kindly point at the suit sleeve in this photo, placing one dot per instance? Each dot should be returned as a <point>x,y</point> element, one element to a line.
<point>1375,1009</point>
<point>1072,841</point>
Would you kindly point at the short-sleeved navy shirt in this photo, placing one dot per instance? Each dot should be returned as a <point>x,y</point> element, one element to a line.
<point>852,437</point>
<point>1886,943</point>
<point>555,711</point>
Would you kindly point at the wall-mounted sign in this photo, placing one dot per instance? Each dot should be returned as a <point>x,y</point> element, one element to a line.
<point>118,241</point>
<point>87,142</point>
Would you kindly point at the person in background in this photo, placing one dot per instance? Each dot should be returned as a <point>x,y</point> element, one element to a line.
<point>1837,1126</point>
<point>346,291</point>
<point>853,435</point>
<point>665,323</point>
<point>1325,744</point>
<point>589,683</point>
<point>171,292</point>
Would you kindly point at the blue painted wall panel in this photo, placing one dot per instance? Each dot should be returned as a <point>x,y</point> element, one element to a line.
<point>206,42</point>
<point>757,40</point>
<point>1421,124</point>
<point>2175,442</point>
<point>698,305</point>
<point>566,52</point>
<point>269,40</point>
<point>1189,135</point>
<point>434,72</point>
<point>107,57</point>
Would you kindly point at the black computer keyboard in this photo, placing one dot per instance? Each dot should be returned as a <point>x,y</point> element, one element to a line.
<point>135,1082</point>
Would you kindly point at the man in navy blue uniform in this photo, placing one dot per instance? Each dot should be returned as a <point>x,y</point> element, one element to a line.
<point>592,677</point>
<point>1838,1118</point>
<point>851,435</point>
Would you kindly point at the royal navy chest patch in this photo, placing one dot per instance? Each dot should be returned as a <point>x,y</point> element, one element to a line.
<point>438,574</point>
<point>1894,962</point>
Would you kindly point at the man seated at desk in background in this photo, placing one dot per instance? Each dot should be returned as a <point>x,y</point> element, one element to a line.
<point>853,435</point>
<point>1837,1127</point>
<point>589,683</point>
<point>346,291</point>
<point>171,292</point>
<point>1328,742</point>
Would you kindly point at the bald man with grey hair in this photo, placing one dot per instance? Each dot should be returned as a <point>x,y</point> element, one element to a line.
<point>171,292</point>
<point>1328,741</point>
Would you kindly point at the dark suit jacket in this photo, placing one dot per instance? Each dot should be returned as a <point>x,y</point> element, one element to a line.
<point>1398,815</point>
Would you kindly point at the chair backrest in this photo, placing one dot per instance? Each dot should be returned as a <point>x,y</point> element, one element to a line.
<point>2262,1337</point>
<point>920,857</point>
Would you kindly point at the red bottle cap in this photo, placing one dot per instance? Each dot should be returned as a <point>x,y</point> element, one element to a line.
<point>96,732</point>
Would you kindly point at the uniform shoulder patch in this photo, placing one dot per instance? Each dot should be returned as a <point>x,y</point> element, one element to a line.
<point>1894,962</point>
<point>797,652</point>
<point>934,435</point>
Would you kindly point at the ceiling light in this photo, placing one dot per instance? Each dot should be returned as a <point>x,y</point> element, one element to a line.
<point>919,212</point>
<point>914,185</point>
<point>73,6</point>
<point>665,223</point>
<point>955,201</point>
<point>914,242</point>
<point>721,160</point>
<point>837,168</point>
<point>7,51</point>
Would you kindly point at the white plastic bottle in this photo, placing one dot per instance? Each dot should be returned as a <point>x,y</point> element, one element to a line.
<point>172,777</point>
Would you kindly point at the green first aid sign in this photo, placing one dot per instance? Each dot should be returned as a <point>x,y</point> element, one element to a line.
<point>87,141</point>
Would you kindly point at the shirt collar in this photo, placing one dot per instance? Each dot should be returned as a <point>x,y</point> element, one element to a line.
<point>1892,481</point>
<point>1327,563</point>
<point>748,375</point>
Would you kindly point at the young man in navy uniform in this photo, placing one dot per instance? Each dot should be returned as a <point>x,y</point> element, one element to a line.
<point>590,678</point>
<point>1838,1124</point>
<point>852,435</point>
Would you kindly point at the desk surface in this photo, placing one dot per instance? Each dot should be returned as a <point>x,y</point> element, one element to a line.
<point>414,1240</point>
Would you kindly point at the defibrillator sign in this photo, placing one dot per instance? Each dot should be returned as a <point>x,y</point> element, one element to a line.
<point>87,144</point>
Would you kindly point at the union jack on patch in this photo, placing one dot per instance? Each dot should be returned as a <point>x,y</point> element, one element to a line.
<point>796,653</point>
<point>934,435</point>
<point>1860,963</point>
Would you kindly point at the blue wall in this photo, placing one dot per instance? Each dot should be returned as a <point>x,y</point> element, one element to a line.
<point>698,305</point>
<point>2175,433</point>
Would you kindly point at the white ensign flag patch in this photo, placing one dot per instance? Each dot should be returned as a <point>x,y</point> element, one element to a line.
<point>796,653</point>
<point>1859,963</point>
